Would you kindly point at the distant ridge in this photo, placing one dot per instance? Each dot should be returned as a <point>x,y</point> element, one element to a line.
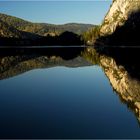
<point>42,29</point>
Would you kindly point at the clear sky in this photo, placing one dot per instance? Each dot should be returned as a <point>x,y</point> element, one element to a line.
<point>57,12</point>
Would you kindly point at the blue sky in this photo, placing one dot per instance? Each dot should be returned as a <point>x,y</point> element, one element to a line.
<point>57,12</point>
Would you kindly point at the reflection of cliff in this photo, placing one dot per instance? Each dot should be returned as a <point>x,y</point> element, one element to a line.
<point>127,87</point>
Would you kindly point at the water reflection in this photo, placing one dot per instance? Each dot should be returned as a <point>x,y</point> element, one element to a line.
<point>14,61</point>
<point>121,66</point>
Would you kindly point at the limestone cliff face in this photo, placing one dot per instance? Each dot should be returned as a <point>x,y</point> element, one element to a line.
<point>118,14</point>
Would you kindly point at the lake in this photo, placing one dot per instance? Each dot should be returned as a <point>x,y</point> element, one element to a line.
<point>69,93</point>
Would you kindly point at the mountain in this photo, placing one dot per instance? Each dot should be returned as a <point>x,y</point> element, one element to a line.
<point>18,32</point>
<point>12,36</point>
<point>121,25</point>
<point>43,29</point>
<point>8,31</point>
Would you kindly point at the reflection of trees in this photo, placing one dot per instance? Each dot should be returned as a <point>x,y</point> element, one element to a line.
<point>66,38</point>
<point>91,55</point>
<point>27,59</point>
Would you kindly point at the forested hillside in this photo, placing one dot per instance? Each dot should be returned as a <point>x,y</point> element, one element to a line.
<point>16,31</point>
<point>44,29</point>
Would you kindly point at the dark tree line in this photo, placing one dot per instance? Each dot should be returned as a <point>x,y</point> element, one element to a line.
<point>66,38</point>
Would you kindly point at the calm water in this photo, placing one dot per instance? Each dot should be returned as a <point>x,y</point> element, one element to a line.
<point>52,97</point>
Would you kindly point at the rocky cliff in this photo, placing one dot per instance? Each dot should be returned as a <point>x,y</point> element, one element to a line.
<point>121,24</point>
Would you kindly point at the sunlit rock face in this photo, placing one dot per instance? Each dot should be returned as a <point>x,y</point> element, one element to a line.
<point>118,13</point>
<point>121,25</point>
